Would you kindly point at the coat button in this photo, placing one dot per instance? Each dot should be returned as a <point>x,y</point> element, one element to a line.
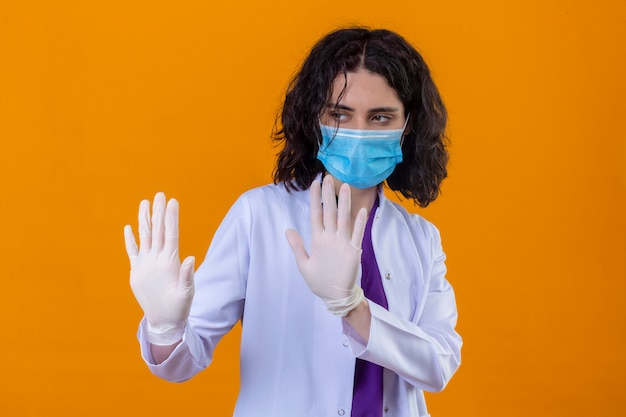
<point>387,276</point>
<point>386,409</point>
<point>341,411</point>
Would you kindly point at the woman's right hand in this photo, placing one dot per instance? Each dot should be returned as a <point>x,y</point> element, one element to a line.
<point>161,284</point>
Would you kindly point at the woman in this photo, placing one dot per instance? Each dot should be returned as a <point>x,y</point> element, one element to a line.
<point>342,293</point>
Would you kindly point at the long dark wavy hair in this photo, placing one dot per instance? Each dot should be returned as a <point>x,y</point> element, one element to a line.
<point>419,175</point>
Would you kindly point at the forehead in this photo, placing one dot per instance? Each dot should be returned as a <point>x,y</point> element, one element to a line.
<point>363,89</point>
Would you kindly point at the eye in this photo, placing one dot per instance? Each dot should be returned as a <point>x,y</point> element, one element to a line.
<point>381,118</point>
<point>338,116</point>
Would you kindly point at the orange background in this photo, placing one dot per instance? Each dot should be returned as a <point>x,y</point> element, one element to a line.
<point>103,103</point>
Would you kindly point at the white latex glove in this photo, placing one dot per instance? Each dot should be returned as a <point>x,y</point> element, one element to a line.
<point>162,286</point>
<point>332,268</point>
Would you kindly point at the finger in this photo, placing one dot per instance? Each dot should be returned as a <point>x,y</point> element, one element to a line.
<point>131,245</point>
<point>158,214</point>
<point>297,246</point>
<point>145,231</point>
<point>344,212</point>
<point>359,228</point>
<point>185,277</point>
<point>170,245</point>
<point>317,225</point>
<point>329,201</point>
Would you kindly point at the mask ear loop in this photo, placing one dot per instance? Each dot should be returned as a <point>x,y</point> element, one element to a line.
<point>406,122</point>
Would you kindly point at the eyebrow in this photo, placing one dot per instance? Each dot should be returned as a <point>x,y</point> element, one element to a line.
<point>374,110</point>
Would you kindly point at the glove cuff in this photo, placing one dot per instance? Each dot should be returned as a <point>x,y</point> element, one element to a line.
<point>343,306</point>
<point>164,334</point>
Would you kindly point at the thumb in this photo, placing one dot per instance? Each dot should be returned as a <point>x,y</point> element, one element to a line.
<point>359,229</point>
<point>297,246</point>
<point>185,277</point>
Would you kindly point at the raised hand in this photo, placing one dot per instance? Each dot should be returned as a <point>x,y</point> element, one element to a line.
<point>162,285</point>
<point>332,267</point>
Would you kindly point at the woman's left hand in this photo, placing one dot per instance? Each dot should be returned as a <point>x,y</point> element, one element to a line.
<point>332,268</point>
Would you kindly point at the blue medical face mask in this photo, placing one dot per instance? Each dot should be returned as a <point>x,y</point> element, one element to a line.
<point>361,158</point>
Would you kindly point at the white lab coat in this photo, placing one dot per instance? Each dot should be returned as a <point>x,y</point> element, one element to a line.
<point>297,359</point>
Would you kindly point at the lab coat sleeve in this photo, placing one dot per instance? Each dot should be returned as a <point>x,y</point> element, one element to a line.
<point>218,301</point>
<point>425,351</point>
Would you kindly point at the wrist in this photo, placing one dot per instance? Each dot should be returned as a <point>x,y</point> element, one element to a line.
<point>164,334</point>
<point>360,319</point>
<point>341,307</point>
